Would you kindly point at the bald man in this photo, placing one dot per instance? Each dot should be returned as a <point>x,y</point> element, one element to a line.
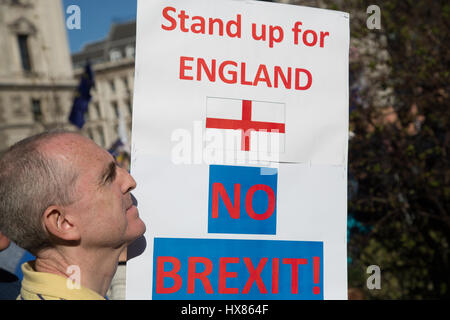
<point>66,201</point>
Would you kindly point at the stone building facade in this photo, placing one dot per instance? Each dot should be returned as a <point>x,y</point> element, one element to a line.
<point>36,76</point>
<point>112,61</point>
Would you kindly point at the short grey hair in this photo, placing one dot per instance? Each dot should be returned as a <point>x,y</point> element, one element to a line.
<point>30,182</point>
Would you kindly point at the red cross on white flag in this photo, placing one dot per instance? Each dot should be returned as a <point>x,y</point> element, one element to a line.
<point>246,116</point>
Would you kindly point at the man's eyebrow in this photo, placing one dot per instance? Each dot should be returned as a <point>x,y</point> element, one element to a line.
<point>109,173</point>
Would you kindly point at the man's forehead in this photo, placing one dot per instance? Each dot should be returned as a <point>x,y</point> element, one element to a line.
<point>73,147</point>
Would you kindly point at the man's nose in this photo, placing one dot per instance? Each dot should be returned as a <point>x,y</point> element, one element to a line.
<point>129,183</point>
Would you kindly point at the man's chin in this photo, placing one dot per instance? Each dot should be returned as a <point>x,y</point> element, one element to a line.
<point>135,231</point>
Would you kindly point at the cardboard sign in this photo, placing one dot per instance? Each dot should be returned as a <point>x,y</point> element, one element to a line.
<point>239,150</point>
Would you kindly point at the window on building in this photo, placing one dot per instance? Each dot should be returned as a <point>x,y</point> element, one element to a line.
<point>24,52</point>
<point>101,136</point>
<point>115,107</point>
<point>112,85</point>
<point>90,134</point>
<point>129,106</point>
<point>115,55</point>
<point>2,111</point>
<point>129,51</point>
<point>125,82</point>
<point>36,109</point>
<point>97,110</point>
<point>17,107</point>
<point>58,107</point>
<point>18,2</point>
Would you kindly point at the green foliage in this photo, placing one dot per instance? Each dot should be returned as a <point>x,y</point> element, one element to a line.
<point>401,166</point>
<point>400,163</point>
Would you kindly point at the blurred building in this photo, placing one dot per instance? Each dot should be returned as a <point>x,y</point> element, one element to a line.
<point>36,75</point>
<point>112,61</point>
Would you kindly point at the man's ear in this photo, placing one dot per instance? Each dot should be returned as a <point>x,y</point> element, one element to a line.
<point>59,224</point>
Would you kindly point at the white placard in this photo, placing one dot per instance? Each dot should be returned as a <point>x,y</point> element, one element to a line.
<point>239,150</point>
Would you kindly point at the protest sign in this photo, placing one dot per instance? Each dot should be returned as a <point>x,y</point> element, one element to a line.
<point>239,149</point>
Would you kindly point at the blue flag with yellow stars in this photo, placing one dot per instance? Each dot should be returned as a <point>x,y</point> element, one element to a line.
<point>82,98</point>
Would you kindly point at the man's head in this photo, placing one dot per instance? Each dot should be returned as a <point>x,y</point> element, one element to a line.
<point>59,188</point>
<point>4,242</point>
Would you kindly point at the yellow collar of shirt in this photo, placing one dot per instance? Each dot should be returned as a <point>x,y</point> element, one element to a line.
<point>47,286</point>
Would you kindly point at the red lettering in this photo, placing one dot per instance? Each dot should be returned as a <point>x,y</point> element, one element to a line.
<point>312,42</point>
<point>183,16</point>
<point>161,274</point>
<point>297,79</point>
<point>211,25</point>
<point>237,24</point>
<point>305,38</point>
<point>263,32</point>
<point>287,81</point>
<point>224,274</point>
<point>198,23</point>
<point>272,37</point>
<point>294,271</point>
<point>316,274</point>
<point>255,275</point>
<point>234,211</point>
<point>249,200</point>
<point>232,73</point>
<point>262,69</point>
<point>229,71</point>
<point>198,27</point>
<point>254,271</point>
<point>296,30</point>
<point>322,38</point>
<point>243,81</point>
<point>210,73</point>
<point>202,276</point>
<point>169,18</point>
<point>275,274</point>
<point>183,67</point>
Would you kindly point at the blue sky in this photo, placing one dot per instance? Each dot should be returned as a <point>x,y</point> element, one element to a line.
<point>96,19</point>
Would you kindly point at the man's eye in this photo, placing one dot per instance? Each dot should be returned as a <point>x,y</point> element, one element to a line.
<point>110,178</point>
<point>111,173</point>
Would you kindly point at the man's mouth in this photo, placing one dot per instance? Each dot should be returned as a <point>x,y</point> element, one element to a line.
<point>131,208</point>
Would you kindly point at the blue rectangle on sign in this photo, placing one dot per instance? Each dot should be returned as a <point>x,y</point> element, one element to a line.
<point>242,200</point>
<point>228,269</point>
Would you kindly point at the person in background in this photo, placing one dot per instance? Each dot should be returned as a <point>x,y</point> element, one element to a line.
<point>9,283</point>
<point>4,242</point>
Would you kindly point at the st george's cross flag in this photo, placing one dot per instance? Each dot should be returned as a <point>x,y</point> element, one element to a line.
<point>261,125</point>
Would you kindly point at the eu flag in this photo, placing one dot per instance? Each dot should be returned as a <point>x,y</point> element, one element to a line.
<point>82,98</point>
